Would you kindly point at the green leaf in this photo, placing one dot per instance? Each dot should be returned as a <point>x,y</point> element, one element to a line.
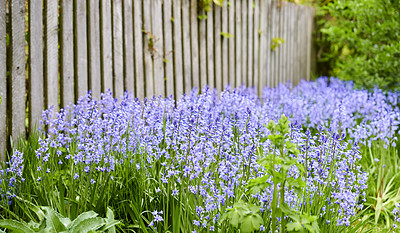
<point>227,35</point>
<point>294,226</point>
<point>82,217</point>
<point>378,209</point>
<point>53,219</point>
<point>15,226</point>
<point>251,223</point>
<point>87,225</point>
<point>219,2</point>
<point>234,216</point>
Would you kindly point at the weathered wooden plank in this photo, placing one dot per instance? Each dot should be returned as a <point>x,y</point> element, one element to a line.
<point>310,16</point>
<point>129,82</point>
<point>303,57</point>
<point>298,49</point>
<point>156,25</point>
<point>51,52</point>
<point>203,51</point>
<point>168,53</point>
<point>250,42</point>
<point>282,30</point>
<point>238,45</point>
<point>118,53</point>
<point>94,49</point>
<point>262,54</point>
<point>67,53</point>
<point>187,61</point>
<point>224,42</point>
<point>36,81</point>
<point>210,48</point>
<point>18,69</point>
<point>194,44</point>
<point>148,49</point>
<point>3,81</point>
<point>178,63</point>
<point>217,48</point>
<point>81,62</point>
<point>269,62</point>
<point>106,46</point>
<point>274,34</point>
<point>244,45</point>
<point>139,55</point>
<point>291,28</point>
<point>256,46</point>
<point>232,42</point>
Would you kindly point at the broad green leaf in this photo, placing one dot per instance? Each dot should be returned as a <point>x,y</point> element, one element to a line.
<point>53,219</point>
<point>251,223</point>
<point>294,226</point>
<point>234,216</point>
<point>15,226</point>
<point>81,217</point>
<point>87,225</point>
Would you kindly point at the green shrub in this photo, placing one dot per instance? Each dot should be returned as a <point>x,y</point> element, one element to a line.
<point>360,40</point>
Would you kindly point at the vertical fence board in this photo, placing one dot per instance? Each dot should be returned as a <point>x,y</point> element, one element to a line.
<point>210,48</point>
<point>268,38</point>
<point>139,68</point>
<point>232,42</point>
<point>81,61</point>
<point>256,45</point>
<point>36,81</point>
<point>297,49</point>
<point>274,34</point>
<point>244,43</point>
<point>217,48</point>
<point>94,49</point>
<point>282,47</point>
<point>302,45</point>
<point>168,53</point>
<point>203,51</point>
<point>106,46</point>
<point>194,44</point>
<point>18,68</point>
<point>148,49</point>
<point>51,53</point>
<point>67,53</point>
<point>128,46</point>
<point>309,21</point>
<point>238,47</point>
<point>178,63</point>
<point>118,74</point>
<point>261,54</point>
<point>250,42</point>
<point>3,81</point>
<point>290,38</point>
<point>187,63</point>
<point>156,25</point>
<point>224,45</point>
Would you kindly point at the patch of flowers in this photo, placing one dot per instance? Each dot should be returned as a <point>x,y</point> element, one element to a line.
<point>167,162</point>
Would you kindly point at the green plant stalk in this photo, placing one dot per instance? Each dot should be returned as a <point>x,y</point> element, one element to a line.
<point>274,195</point>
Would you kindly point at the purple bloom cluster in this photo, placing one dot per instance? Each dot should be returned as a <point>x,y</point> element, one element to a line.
<point>205,144</point>
<point>331,103</point>
<point>11,177</point>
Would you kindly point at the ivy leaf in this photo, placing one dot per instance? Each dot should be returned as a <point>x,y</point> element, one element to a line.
<point>219,2</point>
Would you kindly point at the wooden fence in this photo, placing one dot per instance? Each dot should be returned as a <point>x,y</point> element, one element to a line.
<point>53,51</point>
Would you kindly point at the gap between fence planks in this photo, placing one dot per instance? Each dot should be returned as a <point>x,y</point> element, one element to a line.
<point>159,47</point>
